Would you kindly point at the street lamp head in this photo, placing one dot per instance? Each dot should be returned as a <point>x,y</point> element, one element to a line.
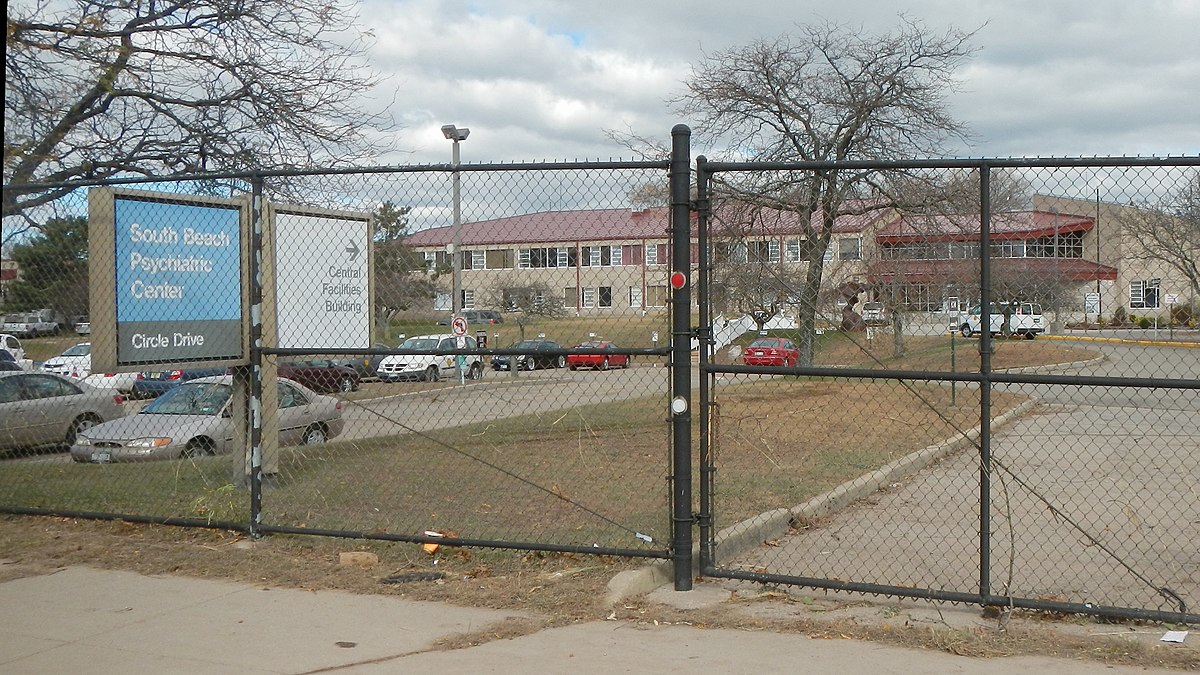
<point>453,133</point>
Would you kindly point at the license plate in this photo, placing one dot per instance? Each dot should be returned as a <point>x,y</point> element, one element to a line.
<point>155,376</point>
<point>102,457</point>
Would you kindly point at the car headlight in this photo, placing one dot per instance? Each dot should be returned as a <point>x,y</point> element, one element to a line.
<point>83,441</point>
<point>157,442</point>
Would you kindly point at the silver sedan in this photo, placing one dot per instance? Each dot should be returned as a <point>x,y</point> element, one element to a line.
<point>42,409</point>
<point>194,419</point>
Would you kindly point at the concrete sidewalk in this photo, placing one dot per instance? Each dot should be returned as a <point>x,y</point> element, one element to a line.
<point>92,621</point>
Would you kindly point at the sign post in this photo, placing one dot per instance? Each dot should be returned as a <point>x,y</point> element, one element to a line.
<point>458,326</point>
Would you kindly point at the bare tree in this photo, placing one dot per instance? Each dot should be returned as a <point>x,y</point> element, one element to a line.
<point>830,92</point>
<point>96,89</point>
<point>1169,232</point>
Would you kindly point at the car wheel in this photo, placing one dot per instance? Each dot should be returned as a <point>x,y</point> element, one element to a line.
<point>314,435</point>
<point>561,362</point>
<point>346,384</point>
<point>431,374</point>
<point>604,364</point>
<point>81,424</point>
<point>199,447</point>
<point>475,372</point>
<point>966,331</point>
<point>530,363</point>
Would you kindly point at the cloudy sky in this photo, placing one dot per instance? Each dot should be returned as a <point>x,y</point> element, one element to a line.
<point>543,79</point>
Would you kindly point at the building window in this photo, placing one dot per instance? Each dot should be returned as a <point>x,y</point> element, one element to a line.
<point>570,297</point>
<point>544,257</point>
<point>631,254</point>
<point>468,298</point>
<point>589,298</point>
<point>656,296</point>
<point>474,260</point>
<point>656,254</point>
<point>635,297</point>
<point>605,296</point>
<point>615,256</point>
<point>499,259</point>
<point>1144,294</point>
<point>849,248</point>
<point>791,251</point>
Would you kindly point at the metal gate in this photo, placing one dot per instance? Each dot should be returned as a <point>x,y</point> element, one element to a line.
<point>971,381</point>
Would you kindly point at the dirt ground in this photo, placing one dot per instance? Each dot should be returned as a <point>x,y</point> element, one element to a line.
<point>560,589</point>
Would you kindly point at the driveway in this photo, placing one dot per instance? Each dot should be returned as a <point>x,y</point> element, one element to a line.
<point>1096,498</point>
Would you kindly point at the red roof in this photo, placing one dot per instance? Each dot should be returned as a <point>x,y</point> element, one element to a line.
<point>616,224</point>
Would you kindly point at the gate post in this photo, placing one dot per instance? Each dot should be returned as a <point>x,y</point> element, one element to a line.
<point>681,358</point>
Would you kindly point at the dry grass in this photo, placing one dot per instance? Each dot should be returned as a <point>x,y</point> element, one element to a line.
<point>774,458</point>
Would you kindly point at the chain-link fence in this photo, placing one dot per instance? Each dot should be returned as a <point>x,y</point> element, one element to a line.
<point>299,367</point>
<point>972,381</point>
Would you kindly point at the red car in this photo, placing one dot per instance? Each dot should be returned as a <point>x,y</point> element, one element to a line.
<point>771,351</point>
<point>601,359</point>
<point>321,375</point>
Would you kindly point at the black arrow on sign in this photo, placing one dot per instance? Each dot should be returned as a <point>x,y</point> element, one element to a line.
<point>353,250</point>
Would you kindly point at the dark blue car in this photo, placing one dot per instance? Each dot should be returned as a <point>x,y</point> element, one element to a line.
<point>151,384</point>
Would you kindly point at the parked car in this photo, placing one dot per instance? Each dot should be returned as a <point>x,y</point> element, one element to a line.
<point>75,363</point>
<point>440,362</point>
<point>32,324</point>
<point>771,351</point>
<point>11,345</point>
<point>536,356</point>
<point>366,365</point>
<point>8,363</point>
<point>41,409</point>
<point>476,316</point>
<point>152,383</point>
<point>122,382</point>
<point>600,358</point>
<point>875,314</point>
<point>1025,319</point>
<point>194,419</point>
<point>83,327</point>
<point>321,375</point>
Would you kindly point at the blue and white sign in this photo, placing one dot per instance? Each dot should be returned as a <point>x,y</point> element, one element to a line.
<point>179,281</point>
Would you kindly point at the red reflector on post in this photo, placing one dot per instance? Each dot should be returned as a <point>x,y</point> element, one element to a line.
<point>678,280</point>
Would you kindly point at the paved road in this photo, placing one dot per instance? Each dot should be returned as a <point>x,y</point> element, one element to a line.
<point>1096,499</point>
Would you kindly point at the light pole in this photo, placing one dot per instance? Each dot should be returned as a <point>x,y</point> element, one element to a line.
<point>455,134</point>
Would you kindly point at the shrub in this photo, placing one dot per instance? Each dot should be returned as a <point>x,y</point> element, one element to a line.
<point>1119,315</point>
<point>1144,322</point>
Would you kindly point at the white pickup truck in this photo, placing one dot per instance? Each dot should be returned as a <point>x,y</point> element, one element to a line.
<point>28,325</point>
<point>1024,319</point>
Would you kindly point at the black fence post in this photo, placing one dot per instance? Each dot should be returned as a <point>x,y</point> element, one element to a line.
<point>985,385</point>
<point>703,300</point>
<point>681,357</point>
<point>256,346</point>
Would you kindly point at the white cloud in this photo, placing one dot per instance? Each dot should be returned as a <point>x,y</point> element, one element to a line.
<point>543,79</point>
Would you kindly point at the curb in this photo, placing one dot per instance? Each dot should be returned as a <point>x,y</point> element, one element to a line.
<point>748,534</point>
<point>1125,341</point>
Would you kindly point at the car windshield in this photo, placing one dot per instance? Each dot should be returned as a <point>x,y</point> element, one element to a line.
<point>194,398</point>
<point>591,345</point>
<point>78,350</point>
<point>765,342</point>
<point>420,343</point>
<point>527,344</point>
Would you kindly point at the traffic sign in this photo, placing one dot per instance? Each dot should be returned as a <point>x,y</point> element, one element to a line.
<point>458,326</point>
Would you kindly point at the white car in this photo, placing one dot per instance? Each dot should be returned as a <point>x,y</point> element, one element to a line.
<point>12,345</point>
<point>122,382</point>
<point>434,366</point>
<point>75,363</point>
<point>1025,319</point>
